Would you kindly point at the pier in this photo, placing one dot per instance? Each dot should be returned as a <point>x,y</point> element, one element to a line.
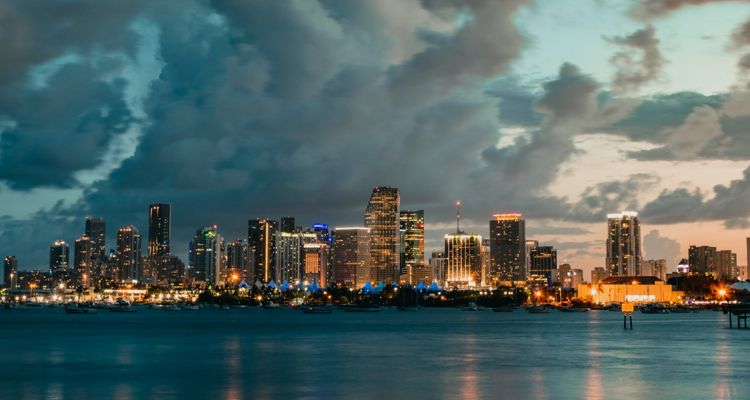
<point>740,311</point>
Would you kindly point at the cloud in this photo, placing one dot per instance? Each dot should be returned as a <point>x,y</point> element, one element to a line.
<point>657,247</point>
<point>607,197</point>
<point>650,9</point>
<point>639,62</point>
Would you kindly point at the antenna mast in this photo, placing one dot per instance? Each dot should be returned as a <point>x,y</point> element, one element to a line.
<point>458,216</point>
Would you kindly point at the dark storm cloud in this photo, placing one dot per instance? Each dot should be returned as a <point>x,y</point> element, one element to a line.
<point>517,103</point>
<point>639,62</point>
<point>60,122</point>
<point>606,197</point>
<point>728,203</point>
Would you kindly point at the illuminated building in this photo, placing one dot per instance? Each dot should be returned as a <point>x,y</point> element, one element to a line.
<point>657,268</point>
<point>238,262</point>
<point>463,254</point>
<point>290,258</point>
<point>83,261</point>
<point>568,277</point>
<point>159,239</point>
<point>206,258</point>
<point>351,256</point>
<point>287,225</point>
<point>438,267</point>
<point>412,238</point>
<point>726,265</point>
<point>96,231</point>
<point>543,262</point>
<point>382,217</point>
<point>59,258</point>
<point>171,271</point>
<point>261,235</point>
<point>638,289</point>
<point>683,267</point>
<point>623,244</point>
<point>702,259</point>
<point>128,254</point>
<point>323,234</point>
<point>10,272</point>
<point>316,265</point>
<point>508,247</point>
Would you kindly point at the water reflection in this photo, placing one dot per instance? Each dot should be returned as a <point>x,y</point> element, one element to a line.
<point>594,389</point>
<point>723,360</point>
<point>233,366</point>
<point>469,378</point>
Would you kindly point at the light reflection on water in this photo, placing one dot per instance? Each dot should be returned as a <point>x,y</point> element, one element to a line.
<point>269,354</point>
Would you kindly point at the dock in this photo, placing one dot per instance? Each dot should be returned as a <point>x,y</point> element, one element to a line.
<point>740,311</point>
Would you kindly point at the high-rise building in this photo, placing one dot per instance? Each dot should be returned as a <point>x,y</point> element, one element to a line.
<point>438,267</point>
<point>726,266</point>
<point>10,272</point>
<point>598,274</point>
<point>96,231</point>
<point>159,230</point>
<point>287,225</point>
<point>261,235</point>
<point>128,254</point>
<point>351,256</point>
<point>508,247</point>
<point>382,217</point>
<point>623,244</point>
<point>543,263</point>
<point>59,260</point>
<point>206,258</point>
<point>238,261</point>
<point>290,255</point>
<point>702,259</point>
<point>171,272</point>
<point>412,238</point>
<point>657,268</point>
<point>83,261</point>
<point>463,253</point>
<point>323,234</point>
<point>316,265</point>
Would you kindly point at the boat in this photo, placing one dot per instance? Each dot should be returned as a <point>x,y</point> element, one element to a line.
<point>15,306</point>
<point>408,308</point>
<point>171,307</point>
<point>74,308</point>
<point>537,310</point>
<point>312,309</point>
<point>503,309</point>
<point>190,306</point>
<point>270,305</point>
<point>361,308</point>
<point>472,306</point>
<point>654,309</point>
<point>121,305</point>
<point>573,309</point>
<point>225,307</point>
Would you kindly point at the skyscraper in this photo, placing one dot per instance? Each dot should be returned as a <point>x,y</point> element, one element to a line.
<point>543,262</point>
<point>261,239</point>
<point>95,230</point>
<point>351,256</point>
<point>290,257</point>
<point>128,254</point>
<point>412,234</point>
<point>287,225</point>
<point>238,261</point>
<point>10,272</point>
<point>83,261</point>
<point>159,231</point>
<point>508,247</point>
<point>206,261</point>
<point>657,268</point>
<point>438,267</point>
<point>382,217</point>
<point>623,244</point>
<point>323,234</point>
<point>316,263</point>
<point>702,259</point>
<point>59,260</point>
<point>463,253</point>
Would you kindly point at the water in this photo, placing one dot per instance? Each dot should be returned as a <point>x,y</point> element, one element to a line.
<point>433,353</point>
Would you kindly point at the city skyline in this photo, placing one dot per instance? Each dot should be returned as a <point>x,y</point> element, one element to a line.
<point>647,124</point>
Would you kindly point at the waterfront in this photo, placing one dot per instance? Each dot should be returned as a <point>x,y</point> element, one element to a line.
<point>432,353</point>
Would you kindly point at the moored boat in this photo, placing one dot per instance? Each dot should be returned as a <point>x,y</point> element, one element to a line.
<point>537,310</point>
<point>74,308</point>
<point>312,309</point>
<point>503,309</point>
<point>361,308</point>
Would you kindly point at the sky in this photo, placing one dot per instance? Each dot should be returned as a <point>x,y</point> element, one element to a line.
<point>562,110</point>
